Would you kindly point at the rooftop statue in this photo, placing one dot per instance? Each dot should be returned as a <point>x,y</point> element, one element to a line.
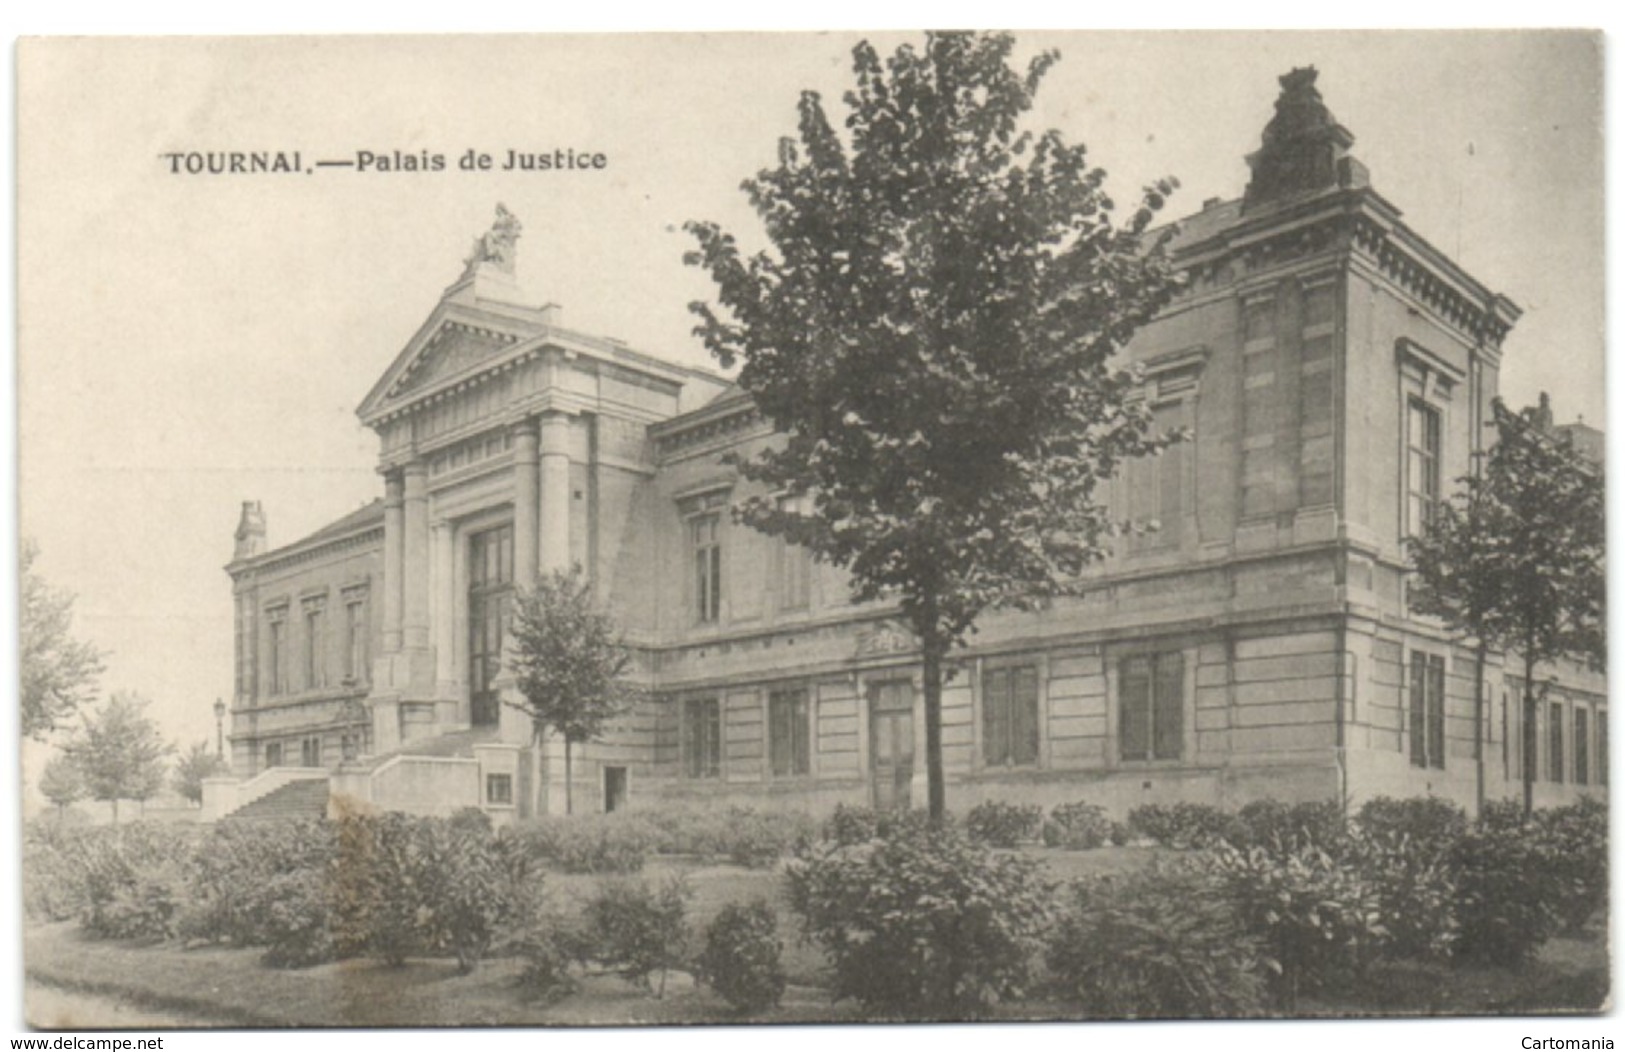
<point>497,246</point>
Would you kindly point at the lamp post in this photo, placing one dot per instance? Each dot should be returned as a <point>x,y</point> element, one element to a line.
<point>220,728</point>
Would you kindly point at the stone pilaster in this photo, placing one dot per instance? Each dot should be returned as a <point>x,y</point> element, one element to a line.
<point>444,613</point>
<point>555,493</point>
<point>394,490</point>
<point>415,557</point>
<point>526,510</point>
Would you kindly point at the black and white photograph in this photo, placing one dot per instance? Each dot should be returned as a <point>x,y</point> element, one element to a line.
<point>740,528</point>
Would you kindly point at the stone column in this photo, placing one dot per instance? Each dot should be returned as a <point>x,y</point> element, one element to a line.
<point>415,559</point>
<point>393,578</point>
<point>555,492</point>
<point>445,609</point>
<point>526,542</point>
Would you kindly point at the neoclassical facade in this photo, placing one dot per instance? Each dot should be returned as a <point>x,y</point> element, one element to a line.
<point>1334,370</point>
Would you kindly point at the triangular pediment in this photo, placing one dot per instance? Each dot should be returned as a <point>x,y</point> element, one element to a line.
<point>453,348</point>
<point>460,333</point>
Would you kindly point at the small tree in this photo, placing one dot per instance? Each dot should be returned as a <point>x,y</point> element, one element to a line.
<point>58,671</point>
<point>119,752</point>
<point>932,331</point>
<point>199,762</point>
<point>570,664</point>
<point>62,783</point>
<point>1516,560</point>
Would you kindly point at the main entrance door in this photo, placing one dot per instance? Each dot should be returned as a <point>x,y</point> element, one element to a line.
<point>891,743</point>
<point>490,586</point>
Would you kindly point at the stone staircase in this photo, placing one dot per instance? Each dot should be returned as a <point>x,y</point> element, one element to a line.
<point>306,798</point>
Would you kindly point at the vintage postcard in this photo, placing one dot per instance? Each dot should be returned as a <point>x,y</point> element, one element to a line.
<point>649,529</point>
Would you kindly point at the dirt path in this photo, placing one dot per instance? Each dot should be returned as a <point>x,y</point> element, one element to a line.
<point>55,1008</point>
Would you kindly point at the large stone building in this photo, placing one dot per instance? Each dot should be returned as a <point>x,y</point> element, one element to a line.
<point>1334,369</point>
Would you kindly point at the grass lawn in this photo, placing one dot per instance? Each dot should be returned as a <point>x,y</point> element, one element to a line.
<point>216,985</point>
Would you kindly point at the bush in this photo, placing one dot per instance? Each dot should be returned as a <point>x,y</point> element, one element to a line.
<point>1316,917</point>
<point>133,880</point>
<point>1265,822</point>
<point>1005,825</point>
<point>1182,825</point>
<point>1509,903</point>
<point>548,947</point>
<point>232,869</point>
<point>55,862</point>
<point>378,887</point>
<point>1160,943</point>
<point>1575,839</point>
<point>1078,826</point>
<point>589,843</point>
<point>850,825</point>
<point>1423,819</point>
<point>635,930</point>
<point>921,920</point>
<point>298,919</point>
<point>1415,886</point>
<point>741,835</point>
<point>476,888</point>
<point>741,957</point>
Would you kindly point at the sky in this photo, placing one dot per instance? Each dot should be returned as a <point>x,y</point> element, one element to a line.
<point>188,342</point>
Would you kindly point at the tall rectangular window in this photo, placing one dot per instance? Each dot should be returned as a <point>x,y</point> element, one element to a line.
<point>490,589</point>
<point>1427,710</point>
<point>315,647</point>
<point>1152,488</point>
<point>794,565</point>
<point>276,655</point>
<point>702,737</point>
<point>705,538</point>
<point>1151,706</point>
<point>1582,752</point>
<point>787,722</point>
<point>1602,746</point>
<point>1422,478</point>
<point>310,752</point>
<point>1010,716</point>
<point>1554,742</point>
<point>273,755</point>
<point>355,640</point>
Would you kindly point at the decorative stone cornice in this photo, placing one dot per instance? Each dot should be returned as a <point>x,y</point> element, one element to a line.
<point>1358,222</point>
<point>301,553</point>
<point>699,430</point>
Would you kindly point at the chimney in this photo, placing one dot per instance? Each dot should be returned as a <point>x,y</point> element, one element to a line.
<point>250,534</point>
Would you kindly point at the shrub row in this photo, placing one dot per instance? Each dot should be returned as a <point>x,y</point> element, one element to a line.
<point>1282,900</point>
<point>640,932</point>
<point>621,842</point>
<point>388,886</point>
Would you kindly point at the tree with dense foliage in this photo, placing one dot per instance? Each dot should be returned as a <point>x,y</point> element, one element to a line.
<point>61,783</point>
<point>120,752</point>
<point>198,762</point>
<point>570,664</point>
<point>1516,560</point>
<point>932,330</point>
<point>58,671</point>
